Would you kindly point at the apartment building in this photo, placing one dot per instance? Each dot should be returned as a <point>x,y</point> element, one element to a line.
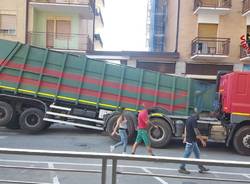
<point>12,20</point>
<point>65,25</point>
<point>207,35</point>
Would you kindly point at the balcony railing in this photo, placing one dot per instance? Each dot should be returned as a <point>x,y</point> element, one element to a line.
<point>210,46</point>
<point>212,3</point>
<point>67,2</point>
<point>78,42</point>
<point>98,12</point>
<point>244,53</point>
<point>245,6</point>
<point>99,39</point>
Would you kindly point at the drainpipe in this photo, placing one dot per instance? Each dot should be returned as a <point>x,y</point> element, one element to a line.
<point>93,48</point>
<point>177,27</point>
<point>26,21</point>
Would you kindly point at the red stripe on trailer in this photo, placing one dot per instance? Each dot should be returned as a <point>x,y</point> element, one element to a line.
<point>75,77</point>
<point>88,92</point>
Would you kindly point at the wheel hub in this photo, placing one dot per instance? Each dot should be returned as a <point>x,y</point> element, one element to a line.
<point>246,141</point>
<point>156,134</point>
<point>32,119</point>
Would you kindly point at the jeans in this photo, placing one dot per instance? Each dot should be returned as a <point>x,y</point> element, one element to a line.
<point>189,148</point>
<point>124,139</point>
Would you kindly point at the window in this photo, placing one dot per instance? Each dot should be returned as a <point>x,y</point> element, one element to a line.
<point>63,29</point>
<point>8,24</point>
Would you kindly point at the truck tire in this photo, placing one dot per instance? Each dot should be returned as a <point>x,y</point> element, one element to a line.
<point>241,140</point>
<point>112,122</point>
<point>13,123</point>
<point>111,125</point>
<point>132,124</point>
<point>6,113</point>
<point>47,125</point>
<point>31,120</point>
<point>161,135</point>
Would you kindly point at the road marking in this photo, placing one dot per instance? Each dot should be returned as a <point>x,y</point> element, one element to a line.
<point>157,178</point>
<point>55,178</point>
<point>3,137</point>
<point>247,175</point>
<point>125,166</point>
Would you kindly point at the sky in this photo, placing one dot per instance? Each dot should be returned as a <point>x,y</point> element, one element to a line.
<point>125,25</point>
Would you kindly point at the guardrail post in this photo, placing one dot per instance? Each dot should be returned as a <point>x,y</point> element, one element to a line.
<point>104,170</point>
<point>114,168</point>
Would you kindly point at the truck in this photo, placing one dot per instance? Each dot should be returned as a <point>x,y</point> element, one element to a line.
<point>39,87</point>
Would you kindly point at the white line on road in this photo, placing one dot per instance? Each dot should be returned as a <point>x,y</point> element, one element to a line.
<point>55,178</point>
<point>247,175</point>
<point>124,166</point>
<point>157,178</point>
<point>3,137</point>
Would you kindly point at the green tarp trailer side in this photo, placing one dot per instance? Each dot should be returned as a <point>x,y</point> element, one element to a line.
<point>59,76</point>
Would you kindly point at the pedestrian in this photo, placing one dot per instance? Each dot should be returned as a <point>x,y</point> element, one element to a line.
<point>122,126</point>
<point>142,131</point>
<point>191,135</point>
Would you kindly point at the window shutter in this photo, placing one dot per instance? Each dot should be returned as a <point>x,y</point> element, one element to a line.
<point>8,22</point>
<point>63,29</point>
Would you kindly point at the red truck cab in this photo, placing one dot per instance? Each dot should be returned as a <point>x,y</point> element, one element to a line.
<point>234,95</point>
<point>234,90</point>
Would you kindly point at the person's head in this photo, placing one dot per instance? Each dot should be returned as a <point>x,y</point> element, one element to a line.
<point>196,112</point>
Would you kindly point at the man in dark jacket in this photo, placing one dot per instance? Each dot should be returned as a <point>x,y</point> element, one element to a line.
<point>191,135</point>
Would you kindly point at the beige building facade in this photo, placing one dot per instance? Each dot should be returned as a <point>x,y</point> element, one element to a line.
<point>66,25</point>
<point>208,36</point>
<point>13,20</point>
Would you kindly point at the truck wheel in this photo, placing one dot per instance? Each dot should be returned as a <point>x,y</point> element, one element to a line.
<point>47,125</point>
<point>241,140</point>
<point>132,124</point>
<point>13,123</point>
<point>161,134</point>
<point>6,113</point>
<point>111,125</point>
<point>31,120</point>
<point>112,122</point>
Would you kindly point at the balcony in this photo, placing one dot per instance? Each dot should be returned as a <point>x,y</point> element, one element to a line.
<point>68,42</point>
<point>244,54</point>
<point>84,7</point>
<point>98,18</point>
<point>98,42</point>
<point>210,48</point>
<point>212,7</point>
<point>246,7</point>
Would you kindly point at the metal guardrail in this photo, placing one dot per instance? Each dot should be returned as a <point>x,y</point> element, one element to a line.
<point>212,4</point>
<point>114,158</point>
<point>60,41</point>
<point>245,6</point>
<point>210,46</point>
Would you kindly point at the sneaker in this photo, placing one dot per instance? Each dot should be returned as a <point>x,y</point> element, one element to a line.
<point>203,169</point>
<point>112,148</point>
<point>183,171</point>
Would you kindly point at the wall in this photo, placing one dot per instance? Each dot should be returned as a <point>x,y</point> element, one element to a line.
<point>231,25</point>
<point>15,7</point>
<point>172,7</point>
<point>39,25</point>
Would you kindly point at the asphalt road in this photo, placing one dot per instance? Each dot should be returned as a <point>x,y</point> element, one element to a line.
<point>65,138</point>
